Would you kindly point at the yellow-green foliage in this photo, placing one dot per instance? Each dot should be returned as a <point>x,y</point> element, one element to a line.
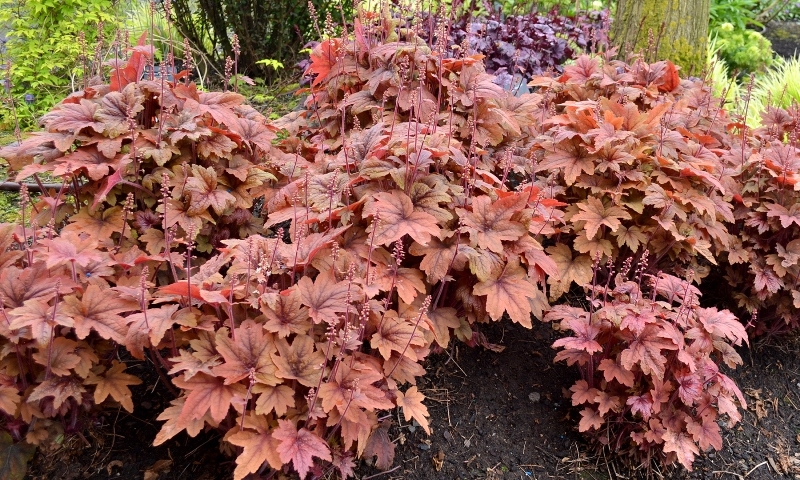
<point>718,75</point>
<point>778,86</point>
<point>743,50</point>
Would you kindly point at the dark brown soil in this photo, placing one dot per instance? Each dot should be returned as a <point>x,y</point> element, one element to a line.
<point>494,416</point>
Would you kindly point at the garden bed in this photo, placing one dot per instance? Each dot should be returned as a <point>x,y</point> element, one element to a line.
<point>494,416</point>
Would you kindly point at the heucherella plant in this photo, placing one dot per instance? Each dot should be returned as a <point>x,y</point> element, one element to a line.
<point>649,358</point>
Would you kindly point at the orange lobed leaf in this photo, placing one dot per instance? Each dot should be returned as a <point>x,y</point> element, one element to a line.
<point>300,446</point>
<point>489,223</point>
<point>411,401</point>
<point>248,355</point>
<point>207,394</point>
<point>510,292</point>
<point>398,218</point>
<point>259,446</point>
<point>115,383</point>
<point>98,309</point>
<point>299,361</point>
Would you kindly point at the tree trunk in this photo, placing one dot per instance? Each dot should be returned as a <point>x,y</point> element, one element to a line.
<point>676,30</point>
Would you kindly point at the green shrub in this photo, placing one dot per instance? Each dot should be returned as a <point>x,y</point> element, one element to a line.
<point>743,50</point>
<point>45,49</point>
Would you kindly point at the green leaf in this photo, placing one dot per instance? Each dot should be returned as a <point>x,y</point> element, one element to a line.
<point>14,458</point>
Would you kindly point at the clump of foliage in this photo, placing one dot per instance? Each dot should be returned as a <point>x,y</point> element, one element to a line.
<point>751,13</point>
<point>764,260</point>
<point>777,86</point>
<point>740,14</point>
<point>289,278</point>
<point>627,147</point>
<point>645,162</point>
<point>533,43</point>
<point>649,355</point>
<point>743,50</point>
<point>391,225</point>
<point>50,47</point>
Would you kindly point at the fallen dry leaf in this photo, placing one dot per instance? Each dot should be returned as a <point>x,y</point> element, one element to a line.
<point>157,468</point>
<point>438,461</point>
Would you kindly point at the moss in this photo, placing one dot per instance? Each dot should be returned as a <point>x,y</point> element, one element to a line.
<point>9,207</point>
<point>672,31</point>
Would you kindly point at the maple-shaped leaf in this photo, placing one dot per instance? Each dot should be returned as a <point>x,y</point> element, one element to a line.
<point>207,394</point>
<point>428,194</point>
<point>399,218</point>
<point>636,320</point>
<point>326,297</point>
<point>595,214</point>
<point>254,132</point>
<point>98,309</point>
<point>380,445</point>
<point>786,216</point>
<point>220,105</point>
<point>193,363</point>
<point>510,292</point>
<point>706,433</point>
<point>323,58</point>
<point>396,333</point>
<point>411,401</point>
<point>284,312</point>
<point>60,355</point>
<point>271,398</point>
<point>300,446</point>
<point>572,157</point>
<point>61,389</point>
<point>175,424</point>
<point>606,402</point>
<point>148,328</point>
<point>70,249</point>
<point>642,404</point>
<point>115,383</point>
<point>441,320</point>
<point>766,280</point>
<point>343,461</point>
<point>9,399</point>
<point>614,371</point>
<point>578,270</point>
<point>299,361</point>
<point>117,108</point>
<point>645,349</point>
<point>98,225</point>
<point>683,446</point>
<point>38,315</point>
<point>205,191</point>
<point>216,147</point>
<point>43,146</point>
<point>690,386</point>
<point>259,446</point>
<point>489,223</point>
<point>17,285</point>
<point>73,117</point>
<point>249,354</point>
<point>722,323</point>
<point>581,393</point>
<point>441,257</point>
<point>632,236</point>
<point>14,457</point>
<point>590,419</point>
<point>585,335</point>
